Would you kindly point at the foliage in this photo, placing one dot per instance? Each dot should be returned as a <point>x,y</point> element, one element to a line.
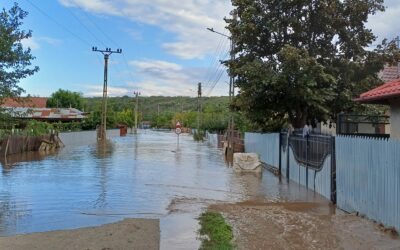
<point>126,117</point>
<point>303,60</point>
<point>218,231</point>
<point>66,99</point>
<point>15,61</point>
<point>68,126</point>
<point>36,128</point>
<point>198,135</point>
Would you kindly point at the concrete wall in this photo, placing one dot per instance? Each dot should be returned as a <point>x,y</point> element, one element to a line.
<point>395,119</point>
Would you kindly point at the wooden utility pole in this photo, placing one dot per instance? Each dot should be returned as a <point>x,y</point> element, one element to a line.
<point>231,125</point>
<point>137,94</point>
<point>103,126</point>
<point>199,92</point>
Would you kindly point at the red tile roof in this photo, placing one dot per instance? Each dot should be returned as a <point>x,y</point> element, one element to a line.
<point>25,102</point>
<point>381,94</point>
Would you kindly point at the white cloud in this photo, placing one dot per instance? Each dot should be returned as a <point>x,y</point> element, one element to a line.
<point>35,42</point>
<point>30,43</point>
<point>170,79</point>
<point>385,24</point>
<point>186,19</point>
<point>97,91</point>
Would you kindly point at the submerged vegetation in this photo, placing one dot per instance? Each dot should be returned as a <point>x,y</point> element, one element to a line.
<point>216,233</point>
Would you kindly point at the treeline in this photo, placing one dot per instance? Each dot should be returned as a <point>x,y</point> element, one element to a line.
<point>160,111</point>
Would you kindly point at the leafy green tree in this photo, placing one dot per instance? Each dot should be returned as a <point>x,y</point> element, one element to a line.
<point>65,99</point>
<point>125,117</point>
<point>15,61</point>
<point>303,60</point>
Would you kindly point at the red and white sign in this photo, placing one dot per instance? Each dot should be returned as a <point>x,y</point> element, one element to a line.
<point>178,129</point>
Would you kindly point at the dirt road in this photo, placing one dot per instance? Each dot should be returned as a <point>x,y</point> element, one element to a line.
<point>128,234</point>
<point>301,225</point>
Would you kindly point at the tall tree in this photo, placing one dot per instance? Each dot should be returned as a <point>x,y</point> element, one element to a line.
<point>66,99</point>
<point>15,61</point>
<point>302,60</point>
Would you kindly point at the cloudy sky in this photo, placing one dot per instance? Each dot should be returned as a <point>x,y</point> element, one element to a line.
<point>166,47</point>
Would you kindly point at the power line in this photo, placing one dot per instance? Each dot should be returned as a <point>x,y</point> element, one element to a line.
<point>213,62</point>
<point>84,41</point>
<point>112,41</point>
<point>216,82</point>
<point>58,23</point>
<point>85,27</point>
<point>216,64</point>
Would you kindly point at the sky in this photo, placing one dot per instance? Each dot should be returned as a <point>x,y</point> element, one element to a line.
<point>166,47</point>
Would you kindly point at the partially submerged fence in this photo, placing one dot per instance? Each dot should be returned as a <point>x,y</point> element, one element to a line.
<point>309,161</point>
<point>17,144</point>
<point>360,174</point>
<point>368,178</point>
<point>212,139</point>
<point>265,145</point>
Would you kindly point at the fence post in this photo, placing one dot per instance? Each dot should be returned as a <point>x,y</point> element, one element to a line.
<point>333,171</point>
<point>288,156</point>
<point>280,154</point>
<point>307,158</point>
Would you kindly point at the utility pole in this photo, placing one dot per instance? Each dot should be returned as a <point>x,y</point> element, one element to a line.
<point>103,126</point>
<point>198,106</point>
<point>398,63</point>
<point>231,126</point>
<point>397,39</point>
<point>137,94</point>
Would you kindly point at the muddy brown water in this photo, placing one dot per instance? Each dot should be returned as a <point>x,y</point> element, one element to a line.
<point>138,176</point>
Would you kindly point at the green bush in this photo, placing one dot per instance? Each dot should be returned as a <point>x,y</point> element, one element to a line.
<point>199,135</point>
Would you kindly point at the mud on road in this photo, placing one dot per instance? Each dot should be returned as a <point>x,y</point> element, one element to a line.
<point>301,225</point>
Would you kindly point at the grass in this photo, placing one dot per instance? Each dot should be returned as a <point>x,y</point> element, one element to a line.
<point>216,233</point>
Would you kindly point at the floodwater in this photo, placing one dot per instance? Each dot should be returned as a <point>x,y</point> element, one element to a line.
<point>147,175</point>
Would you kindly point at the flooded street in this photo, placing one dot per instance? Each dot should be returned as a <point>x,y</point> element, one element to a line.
<point>143,176</point>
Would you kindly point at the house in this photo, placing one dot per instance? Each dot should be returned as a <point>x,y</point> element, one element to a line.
<point>24,102</point>
<point>387,94</point>
<point>35,108</point>
<point>362,124</point>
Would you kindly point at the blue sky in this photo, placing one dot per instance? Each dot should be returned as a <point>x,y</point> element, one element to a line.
<point>166,47</point>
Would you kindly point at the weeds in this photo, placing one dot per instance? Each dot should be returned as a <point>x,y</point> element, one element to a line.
<point>215,233</point>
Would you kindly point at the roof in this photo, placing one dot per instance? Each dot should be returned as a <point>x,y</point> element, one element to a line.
<point>53,114</point>
<point>390,73</point>
<point>25,102</point>
<point>381,94</point>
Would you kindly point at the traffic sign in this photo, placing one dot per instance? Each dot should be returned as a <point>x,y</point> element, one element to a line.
<point>178,125</point>
<point>178,131</point>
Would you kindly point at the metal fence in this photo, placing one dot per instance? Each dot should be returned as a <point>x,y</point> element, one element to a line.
<point>265,145</point>
<point>212,139</point>
<point>309,161</point>
<point>359,174</point>
<point>363,125</point>
<point>368,178</point>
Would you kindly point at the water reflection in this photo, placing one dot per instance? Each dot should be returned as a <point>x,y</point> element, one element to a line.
<point>104,149</point>
<point>89,183</point>
<point>11,161</point>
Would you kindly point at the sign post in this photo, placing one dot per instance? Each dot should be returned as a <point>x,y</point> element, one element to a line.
<point>178,129</point>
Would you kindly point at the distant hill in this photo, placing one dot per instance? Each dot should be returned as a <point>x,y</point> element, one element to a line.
<point>149,106</point>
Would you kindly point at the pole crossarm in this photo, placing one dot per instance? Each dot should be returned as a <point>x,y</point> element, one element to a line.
<point>107,51</point>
